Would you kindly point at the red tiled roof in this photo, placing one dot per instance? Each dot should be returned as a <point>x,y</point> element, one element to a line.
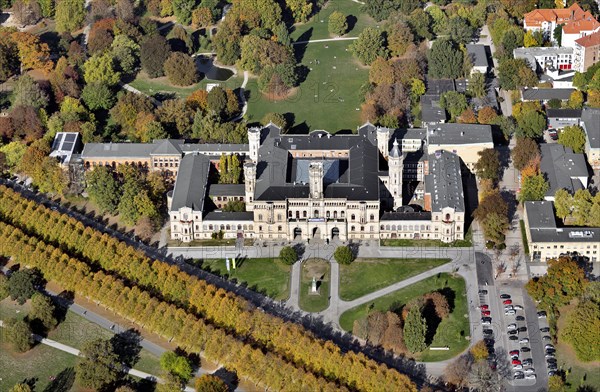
<point>589,40</point>
<point>536,17</point>
<point>581,25</point>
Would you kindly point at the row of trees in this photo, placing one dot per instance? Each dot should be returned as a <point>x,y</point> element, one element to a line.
<point>166,320</point>
<point>221,307</point>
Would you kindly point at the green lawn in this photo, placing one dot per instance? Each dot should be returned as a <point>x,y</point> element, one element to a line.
<point>268,276</point>
<point>367,275</point>
<point>466,243</point>
<point>320,269</point>
<point>162,85</point>
<point>317,27</point>
<point>327,99</point>
<point>451,332</point>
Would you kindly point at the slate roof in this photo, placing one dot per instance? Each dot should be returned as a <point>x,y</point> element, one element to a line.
<point>562,166</point>
<point>563,113</point>
<point>590,119</point>
<point>542,226</point>
<point>167,147</point>
<point>444,182</point>
<point>191,182</point>
<point>545,94</point>
<point>451,133</point>
<point>275,163</point>
<point>431,112</point>
<point>406,216</point>
<point>226,190</point>
<point>478,55</point>
<point>117,150</point>
<point>229,216</point>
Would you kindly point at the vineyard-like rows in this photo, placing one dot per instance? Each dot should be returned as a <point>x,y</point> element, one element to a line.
<point>224,314</point>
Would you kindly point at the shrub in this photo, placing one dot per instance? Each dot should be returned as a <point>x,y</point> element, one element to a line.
<point>288,255</point>
<point>343,255</point>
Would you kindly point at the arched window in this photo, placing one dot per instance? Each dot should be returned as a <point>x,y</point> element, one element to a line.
<point>353,217</point>
<point>362,228</point>
<point>372,217</point>
<point>210,227</point>
<point>447,217</point>
<point>327,214</point>
<point>304,214</point>
<point>279,228</point>
<point>353,228</point>
<point>297,214</point>
<point>334,214</point>
<point>239,227</point>
<point>342,214</point>
<point>315,213</point>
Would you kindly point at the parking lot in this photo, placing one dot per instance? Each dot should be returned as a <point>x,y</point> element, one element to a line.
<point>527,366</point>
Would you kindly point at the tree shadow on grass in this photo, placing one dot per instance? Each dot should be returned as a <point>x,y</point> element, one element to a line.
<point>228,377</point>
<point>351,21</point>
<point>450,296</point>
<point>433,321</point>
<point>127,346</point>
<point>62,382</point>
<point>300,49</point>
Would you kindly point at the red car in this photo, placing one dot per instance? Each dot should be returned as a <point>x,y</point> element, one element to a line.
<point>484,307</point>
<point>485,312</point>
<point>507,302</point>
<point>514,352</point>
<point>516,362</point>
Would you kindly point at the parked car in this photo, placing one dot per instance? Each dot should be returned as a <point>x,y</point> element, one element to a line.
<point>551,360</point>
<point>523,329</point>
<point>486,320</point>
<point>519,376</point>
<point>510,327</point>
<point>514,352</point>
<point>549,356</point>
<point>513,337</point>
<point>545,329</point>
<point>520,318</point>
<point>548,346</point>
<point>546,337</point>
<point>513,332</point>
<point>485,313</point>
<point>510,312</point>
<point>530,377</point>
<point>541,314</point>
<point>529,371</point>
<point>488,332</point>
<point>551,373</point>
<point>516,362</point>
<point>483,292</point>
<point>504,296</point>
<point>528,362</point>
<point>517,367</point>
<point>525,349</point>
<point>485,307</point>
<point>518,307</point>
<point>508,302</point>
<point>524,341</point>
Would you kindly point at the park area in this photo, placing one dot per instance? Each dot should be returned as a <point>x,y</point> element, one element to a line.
<point>320,270</point>
<point>267,276</point>
<point>452,331</point>
<point>52,369</point>
<point>364,275</point>
<point>330,96</point>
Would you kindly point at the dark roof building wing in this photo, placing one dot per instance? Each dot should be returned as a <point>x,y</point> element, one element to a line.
<point>191,183</point>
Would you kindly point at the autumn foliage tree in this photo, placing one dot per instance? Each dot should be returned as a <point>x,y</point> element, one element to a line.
<point>180,68</point>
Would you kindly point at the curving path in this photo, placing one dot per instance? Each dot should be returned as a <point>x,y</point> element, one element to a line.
<point>243,97</point>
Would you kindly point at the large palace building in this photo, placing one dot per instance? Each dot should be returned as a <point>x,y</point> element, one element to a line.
<point>376,184</point>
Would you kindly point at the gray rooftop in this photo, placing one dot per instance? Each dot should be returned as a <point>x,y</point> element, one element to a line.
<point>431,112</point>
<point>226,190</point>
<point>563,113</point>
<point>242,216</point>
<point>440,86</point>
<point>406,216</point>
<point>590,119</point>
<point>546,94</point>
<point>276,167</point>
<point>191,182</point>
<point>451,133</point>
<point>542,226</point>
<point>214,147</point>
<point>444,182</point>
<point>478,55</point>
<point>117,150</point>
<point>562,166</point>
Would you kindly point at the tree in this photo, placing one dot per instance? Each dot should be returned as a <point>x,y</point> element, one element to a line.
<point>216,101</point>
<point>575,100</point>
<point>369,46</point>
<point>27,92</point>
<point>13,152</point>
<point>486,115</point>
<point>420,22</point>
<point>531,124</point>
<point>27,12</point>
<point>337,24</point>
<point>563,202</point>
<point>479,351</point>
<point>582,326</point>
<point>4,287</point>
<point>100,68</point>
<point>476,86</point>
<point>182,9</point>
<point>125,10</point>
<point>301,9</point>
<point>210,383</point>
<point>467,117</point>
<point>516,73</point>
<point>41,314</point>
<point>21,388</point>
<point>533,188</point>
<point>154,51</point>
<point>399,38</point>
<point>180,68</point>
<point>126,53</point>
<point>445,60</point>
<point>202,17</point>
<point>100,37</point>
<point>343,255</point>
<point>488,164</point>
<point>494,227</point>
<point>582,204</point>
<point>525,150</point>
<point>277,119</point>
<point>99,365</point>
<point>564,280</point>
<point>176,365</point>
<point>21,285</point>
<point>454,102</point>
<point>18,334</point>
<point>574,137</point>
<point>415,329</point>
<point>532,40</point>
<point>457,371</point>
<point>69,15</point>
<point>288,255</point>
<point>103,189</point>
<point>459,30</point>
<point>483,378</point>
<point>98,95</point>
<point>9,60</point>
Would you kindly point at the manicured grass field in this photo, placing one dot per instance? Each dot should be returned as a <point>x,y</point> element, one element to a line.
<point>320,269</point>
<point>162,85</point>
<point>364,276</point>
<point>268,276</point>
<point>317,26</point>
<point>467,242</point>
<point>451,332</point>
<point>327,99</point>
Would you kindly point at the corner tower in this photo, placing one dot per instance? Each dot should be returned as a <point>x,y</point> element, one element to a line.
<point>395,163</point>
<point>383,139</point>
<point>254,143</point>
<point>315,179</point>
<point>249,184</point>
